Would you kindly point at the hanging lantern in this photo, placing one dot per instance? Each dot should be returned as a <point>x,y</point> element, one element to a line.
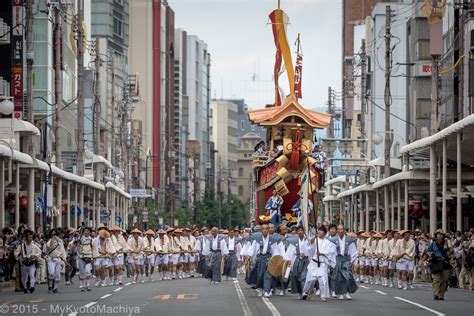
<point>23,202</point>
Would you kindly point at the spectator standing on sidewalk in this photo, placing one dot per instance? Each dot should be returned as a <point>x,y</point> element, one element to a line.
<point>440,259</point>
<point>467,264</point>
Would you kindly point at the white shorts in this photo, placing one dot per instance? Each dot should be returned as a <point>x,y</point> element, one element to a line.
<point>383,263</point>
<point>117,261</point>
<point>361,261</point>
<point>149,259</point>
<point>368,262</point>
<point>405,265</point>
<point>174,259</point>
<point>160,260</point>
<point>103,262</point>
<point>137,261</point>
<point>375,262</point>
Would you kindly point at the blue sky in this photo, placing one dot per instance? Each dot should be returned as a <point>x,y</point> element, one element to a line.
<point>241,44</point>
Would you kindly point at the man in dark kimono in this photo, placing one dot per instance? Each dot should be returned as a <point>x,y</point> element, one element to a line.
<point>214,249</point>
<point>343,281</point>
<point>233,245</point>
<point>263,247</point>
<point>297,254</point>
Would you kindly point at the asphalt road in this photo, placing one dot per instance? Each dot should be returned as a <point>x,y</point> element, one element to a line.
<point>195,296</point>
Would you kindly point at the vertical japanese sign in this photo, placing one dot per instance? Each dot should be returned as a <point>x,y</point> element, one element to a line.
<point>17,57</point>
<point>298,76</point>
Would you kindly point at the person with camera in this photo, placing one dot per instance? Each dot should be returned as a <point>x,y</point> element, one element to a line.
<point>467,265</point>
<point>27,253</point>
<point>440,256</point>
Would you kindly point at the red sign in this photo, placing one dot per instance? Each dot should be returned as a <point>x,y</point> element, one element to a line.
<point>17,88</point>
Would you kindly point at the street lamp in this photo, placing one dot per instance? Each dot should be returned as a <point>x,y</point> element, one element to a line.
<point>6,107</point>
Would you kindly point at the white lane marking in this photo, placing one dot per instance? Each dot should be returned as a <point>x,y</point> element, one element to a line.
<point>118,289</point>
<point>271,307</point>
<point>420,306</point>
<point>106,295</point>
<point>365,287</point>
<point>243,302</point>
<point>126,284</point>
<point>90,304</point>
<point>380,292</point>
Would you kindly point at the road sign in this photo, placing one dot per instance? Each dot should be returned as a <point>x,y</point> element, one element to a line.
<point>139,193</point>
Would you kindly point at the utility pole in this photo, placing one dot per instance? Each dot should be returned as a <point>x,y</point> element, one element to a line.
<point>29,61</point>
<point>330,131</point>
<point>80,91</point>
<point>58,84</point>
<point>363,104</point>
<point>388,101</point>
<point>112,101</point>
<point>97,105</point>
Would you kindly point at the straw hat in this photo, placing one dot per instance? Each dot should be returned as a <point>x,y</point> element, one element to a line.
<point>136,231</point>
<point>104,234</point>
<point>388,231</point>
<point>178,231</point>
<point>150,232</point>
<point>403,232</point>
<point>187,229</point>
<point>225,231</point>
<point>365,234</point>
<point>439,231</point>
<point>204,228</point>
<point>169,229</point>
<point>101,227</point>
<point>71,230</point>
<point>377,235</point>
<point>360,232</point>
<point>161,231</point>
<point>116,228</point>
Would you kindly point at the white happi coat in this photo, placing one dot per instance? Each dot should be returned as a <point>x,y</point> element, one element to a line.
<point>329,260</point>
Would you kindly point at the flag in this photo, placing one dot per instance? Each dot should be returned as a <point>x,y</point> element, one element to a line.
<point>304,198</point>
<point>279,21</point>
<point>298,76</point>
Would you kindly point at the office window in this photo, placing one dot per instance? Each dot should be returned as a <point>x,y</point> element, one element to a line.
<point>241,172</point>
<point>117,27</point>
<point>241,190</point>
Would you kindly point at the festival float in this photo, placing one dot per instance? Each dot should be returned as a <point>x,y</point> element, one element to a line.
<point>290,132</point>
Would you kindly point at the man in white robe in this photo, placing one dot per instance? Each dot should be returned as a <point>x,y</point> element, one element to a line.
<point>323,257</point>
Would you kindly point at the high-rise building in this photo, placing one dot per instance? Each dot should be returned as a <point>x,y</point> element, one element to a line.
<point>353,12</point>
<point>224,135</point>
<point>198,60</point>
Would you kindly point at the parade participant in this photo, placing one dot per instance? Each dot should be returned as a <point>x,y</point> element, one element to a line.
<point>343,281</point>
<point>215,248</point>
<point>161,259</point>
<point>297,255</point>
<point>103,263</point>
<point>320,156</point>
<point>360,265</point>
<point>118,261</point>
<point>187,252</point>
<point>27,252</point>
<point>230,264</point>
<point>135,256</point>
<point>323,257</point>
<point>384,253</point>
<point>392,262</point>
<point>198,248</point>
<point>175,249</point>
<point>55,258</point>
<point>332,231</point>
<point>262,248</point>
<point>405,257</point>
<point>86,252</point>
<point>191,255</point>
<point>273,206</point>
<point>467,265</point>
<point>376,254</point>
<point>70,244</point>
<point>149,254</point>
<point>368,269</point>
